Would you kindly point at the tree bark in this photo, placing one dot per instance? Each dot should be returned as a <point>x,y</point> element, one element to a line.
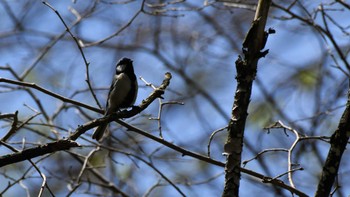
<point>339,141</point>
<point>246,71</point>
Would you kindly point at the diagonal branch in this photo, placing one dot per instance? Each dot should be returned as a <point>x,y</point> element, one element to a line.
<point>157,93</point>
<point>87,64</point>
<point>119,30</point>
<point>65,144</point>
<point>339,141</point>
<point>48,92</point>
<point>36,151</point>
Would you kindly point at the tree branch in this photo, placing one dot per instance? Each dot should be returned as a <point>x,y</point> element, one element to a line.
<point>246,71</point>
<point>64,144</point>
<point>87,64</point>
<point>36,151</point>
<point>338,142</point>
<point>48,92</point>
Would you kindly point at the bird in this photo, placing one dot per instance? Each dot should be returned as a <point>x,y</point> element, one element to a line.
<point>122,93</point>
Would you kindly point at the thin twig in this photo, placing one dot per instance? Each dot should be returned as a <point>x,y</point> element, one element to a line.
<point>86,161</point>
<point>119,30</point>
<point>48,92</point>
<point>80,49</point>
<point>212,136</point>
<point>290,151</point>
<point>264,151</point>
<point>13,127</point>
<point>34,165</point>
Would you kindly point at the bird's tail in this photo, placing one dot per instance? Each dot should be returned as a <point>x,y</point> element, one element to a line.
<point>98,133</point>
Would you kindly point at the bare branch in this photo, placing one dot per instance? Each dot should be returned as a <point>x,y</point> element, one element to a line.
<point>80,49</point>
<point>339,141</point>
<point>48,92</point>
<point>36,151</point>
<point>253,43</point>
<point>119,30</point>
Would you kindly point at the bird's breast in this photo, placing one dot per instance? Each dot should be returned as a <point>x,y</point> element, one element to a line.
<point>119,92</point>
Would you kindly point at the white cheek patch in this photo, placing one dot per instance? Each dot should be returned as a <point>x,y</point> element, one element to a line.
<point>120,68</point>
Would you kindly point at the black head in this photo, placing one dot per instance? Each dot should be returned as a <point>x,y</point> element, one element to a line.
<point>124,65</point>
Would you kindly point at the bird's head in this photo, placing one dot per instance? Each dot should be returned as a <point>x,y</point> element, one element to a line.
<point>124,65</point>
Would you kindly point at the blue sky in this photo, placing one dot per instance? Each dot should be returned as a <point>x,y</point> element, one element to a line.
<point>209,60</point>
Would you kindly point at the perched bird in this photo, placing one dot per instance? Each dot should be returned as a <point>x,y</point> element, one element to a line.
<point>122,93</point>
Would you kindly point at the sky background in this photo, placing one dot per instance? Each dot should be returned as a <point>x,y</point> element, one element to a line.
<point>206,53</point>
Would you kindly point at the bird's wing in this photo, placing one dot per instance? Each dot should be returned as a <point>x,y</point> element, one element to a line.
<point>118,91</point>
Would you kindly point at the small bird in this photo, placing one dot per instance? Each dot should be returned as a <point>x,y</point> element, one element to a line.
<point>122,93</point>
